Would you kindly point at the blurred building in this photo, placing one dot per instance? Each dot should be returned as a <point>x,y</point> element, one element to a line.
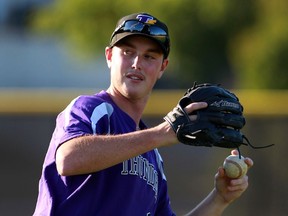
<point>30,61</point>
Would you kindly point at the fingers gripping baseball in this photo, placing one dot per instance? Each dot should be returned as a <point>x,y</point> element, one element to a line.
<point>229,188</point>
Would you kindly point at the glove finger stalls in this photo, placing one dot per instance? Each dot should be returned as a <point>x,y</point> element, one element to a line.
<point>207,134</point>
<point>230,138</point>
<point>222,119</point>
<point>232,120</point>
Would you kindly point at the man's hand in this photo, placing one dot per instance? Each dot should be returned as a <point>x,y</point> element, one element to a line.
<point>230,189</point>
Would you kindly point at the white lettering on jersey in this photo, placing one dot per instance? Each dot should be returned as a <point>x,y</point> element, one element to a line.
<point>140,166</point>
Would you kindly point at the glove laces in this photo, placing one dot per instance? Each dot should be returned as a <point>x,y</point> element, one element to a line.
<point>252,146</point>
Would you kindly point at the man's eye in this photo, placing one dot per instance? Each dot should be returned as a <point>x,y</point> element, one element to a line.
<point>149,57</point>
<point>127,52</point>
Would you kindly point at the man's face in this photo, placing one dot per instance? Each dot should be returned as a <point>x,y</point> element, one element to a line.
<point>135,63</point>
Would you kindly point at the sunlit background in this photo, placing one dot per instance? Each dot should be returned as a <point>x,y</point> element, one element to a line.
<point>52,51</point>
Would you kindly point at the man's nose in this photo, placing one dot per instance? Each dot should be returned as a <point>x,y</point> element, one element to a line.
<point>137,62</point>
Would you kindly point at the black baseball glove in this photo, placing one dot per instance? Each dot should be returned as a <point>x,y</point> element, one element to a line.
<point>217,125</point>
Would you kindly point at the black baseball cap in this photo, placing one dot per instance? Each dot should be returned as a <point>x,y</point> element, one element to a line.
<point>142,24</point>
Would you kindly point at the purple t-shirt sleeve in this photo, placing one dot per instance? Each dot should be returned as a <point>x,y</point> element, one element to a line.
<point>83,116</point>
<point>72,122</point>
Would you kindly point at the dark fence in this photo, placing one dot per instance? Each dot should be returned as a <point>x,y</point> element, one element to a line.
<point>190,170</point>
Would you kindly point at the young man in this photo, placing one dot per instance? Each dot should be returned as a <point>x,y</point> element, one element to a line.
<point>102,160</point>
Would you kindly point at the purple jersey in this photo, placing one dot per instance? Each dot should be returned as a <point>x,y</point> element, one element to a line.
<point>135,187</point>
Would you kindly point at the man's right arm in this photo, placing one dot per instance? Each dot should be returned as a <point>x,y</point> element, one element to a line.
<point>92,153</point>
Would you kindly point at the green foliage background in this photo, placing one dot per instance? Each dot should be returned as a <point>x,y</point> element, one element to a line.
<point>241,44</point>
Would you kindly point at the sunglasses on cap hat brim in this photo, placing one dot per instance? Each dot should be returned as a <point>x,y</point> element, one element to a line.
<point>138,27</point>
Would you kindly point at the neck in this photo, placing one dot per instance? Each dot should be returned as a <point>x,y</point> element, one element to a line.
<point>133,107</point>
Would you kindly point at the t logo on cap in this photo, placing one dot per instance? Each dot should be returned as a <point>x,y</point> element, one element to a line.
<point>146,19</point>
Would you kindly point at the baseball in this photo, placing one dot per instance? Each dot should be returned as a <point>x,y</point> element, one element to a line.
<point>235,167</point>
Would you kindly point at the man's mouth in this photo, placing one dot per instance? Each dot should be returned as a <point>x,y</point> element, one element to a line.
<point>134,76</point>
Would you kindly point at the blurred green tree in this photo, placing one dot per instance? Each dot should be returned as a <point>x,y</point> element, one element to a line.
<point>259,54</point>
<point>241,44</point>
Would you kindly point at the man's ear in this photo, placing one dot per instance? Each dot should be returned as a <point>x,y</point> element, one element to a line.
<point>163,67</point>
<point>108,55</point>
